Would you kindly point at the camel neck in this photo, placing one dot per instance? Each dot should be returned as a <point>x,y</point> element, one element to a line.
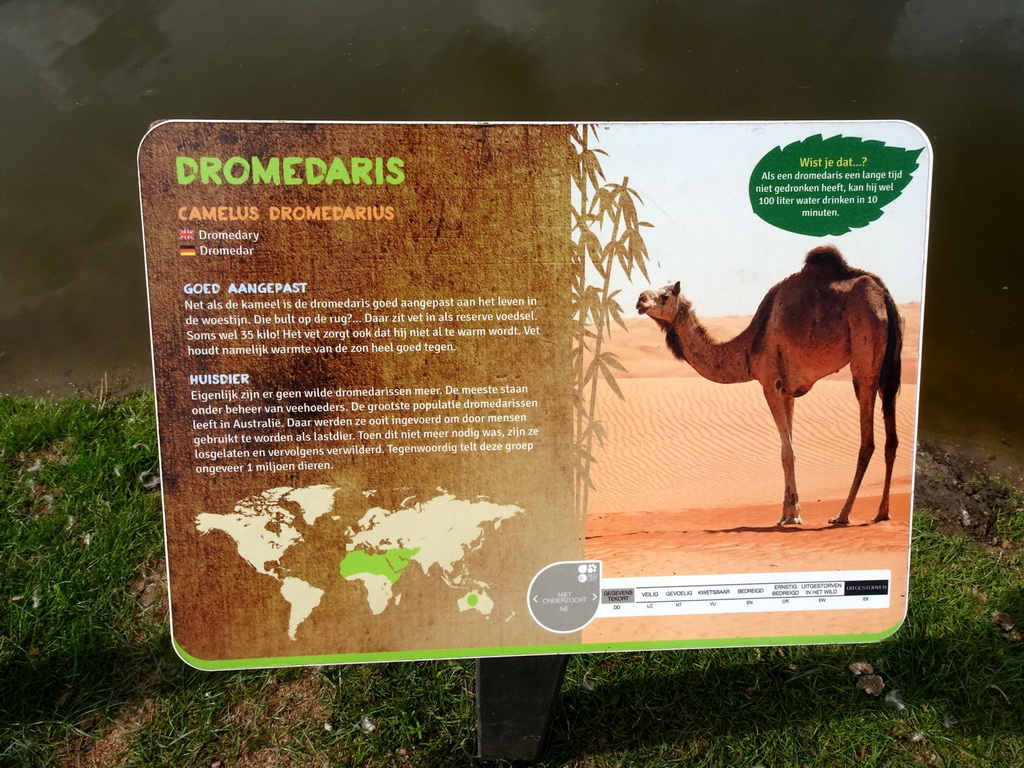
<point>724,362</point>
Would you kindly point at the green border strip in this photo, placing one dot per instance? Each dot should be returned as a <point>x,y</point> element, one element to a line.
<point>526,650</point>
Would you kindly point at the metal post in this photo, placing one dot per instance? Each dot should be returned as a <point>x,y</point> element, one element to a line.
<point>515,701</point>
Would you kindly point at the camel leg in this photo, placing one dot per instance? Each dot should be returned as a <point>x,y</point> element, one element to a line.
<point>782,411</point>
<point>891,443</point>
<point>866,398</point>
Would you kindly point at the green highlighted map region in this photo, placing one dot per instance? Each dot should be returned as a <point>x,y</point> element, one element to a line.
<point>390,564</point>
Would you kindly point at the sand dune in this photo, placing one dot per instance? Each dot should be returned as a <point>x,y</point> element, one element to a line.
<point>689,481</point>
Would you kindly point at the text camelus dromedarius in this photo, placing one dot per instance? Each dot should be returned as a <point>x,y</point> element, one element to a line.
<point>808,326</point>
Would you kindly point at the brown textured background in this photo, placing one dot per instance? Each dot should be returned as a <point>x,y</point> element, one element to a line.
<point>484,211</point>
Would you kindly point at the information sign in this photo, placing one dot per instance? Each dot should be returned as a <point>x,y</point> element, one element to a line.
<point>467,390</point>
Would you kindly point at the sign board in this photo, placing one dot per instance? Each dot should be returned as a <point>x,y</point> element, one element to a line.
<point>464,390</point>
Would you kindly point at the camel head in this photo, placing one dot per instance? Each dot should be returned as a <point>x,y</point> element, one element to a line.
<point>664,304</point>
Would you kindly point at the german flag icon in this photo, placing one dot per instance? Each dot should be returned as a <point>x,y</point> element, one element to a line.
<point>187,250</point>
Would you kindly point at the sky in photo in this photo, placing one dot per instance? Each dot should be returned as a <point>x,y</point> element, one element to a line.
<point>694,179</point>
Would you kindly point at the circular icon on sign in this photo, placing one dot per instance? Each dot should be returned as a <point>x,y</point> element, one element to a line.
<point>564,597</point>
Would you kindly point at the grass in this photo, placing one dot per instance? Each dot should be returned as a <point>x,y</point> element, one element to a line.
<point>76,524</point>
<point>1010,514</point>
<point>88,676</point>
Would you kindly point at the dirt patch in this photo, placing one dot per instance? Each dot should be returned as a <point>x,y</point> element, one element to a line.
<point>271,757</point>
<point>150,591</point>
<point>107,747</point>
<point>302,699</point>
<point>966,497</point>
<point>41,496</point>
<point>60,452</point>
<point>283,706</point>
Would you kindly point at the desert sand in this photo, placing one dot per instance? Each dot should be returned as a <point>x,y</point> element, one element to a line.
<point>689,481</point>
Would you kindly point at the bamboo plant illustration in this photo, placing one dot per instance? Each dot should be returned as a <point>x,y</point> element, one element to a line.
<point>606,238</point>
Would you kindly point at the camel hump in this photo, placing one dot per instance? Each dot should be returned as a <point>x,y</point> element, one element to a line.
<point>828,260</point>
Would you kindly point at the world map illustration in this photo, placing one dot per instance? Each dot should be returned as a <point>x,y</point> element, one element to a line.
<point>433,534</point>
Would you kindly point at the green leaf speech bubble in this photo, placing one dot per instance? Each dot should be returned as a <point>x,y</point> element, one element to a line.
<point>829,186</point>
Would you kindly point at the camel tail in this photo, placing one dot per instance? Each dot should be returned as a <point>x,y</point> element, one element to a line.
<point>892,366</point>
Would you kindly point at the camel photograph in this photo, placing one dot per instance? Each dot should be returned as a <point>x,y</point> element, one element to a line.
<point>752,319</point>
<point>815,322</point>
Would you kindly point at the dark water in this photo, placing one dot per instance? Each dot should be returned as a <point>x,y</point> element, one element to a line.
<point>81,82</point>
